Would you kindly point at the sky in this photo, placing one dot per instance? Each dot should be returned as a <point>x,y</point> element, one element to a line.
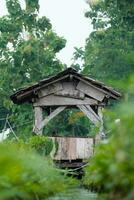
<point>68,21</point>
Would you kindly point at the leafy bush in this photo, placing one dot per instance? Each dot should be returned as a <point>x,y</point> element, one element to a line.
<point>41,144</point>
<point>111,170</point>
<point>25,175</point>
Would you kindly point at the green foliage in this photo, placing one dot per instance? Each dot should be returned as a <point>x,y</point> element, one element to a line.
<point>109,48</point>
<point>28,48</point>
<point>76,194</point>
<point>109,57</point>
<point>116,13</point>
<point>108,51</point>
<point>25,175</point>
<point>70,123</point>
<point>41,144</point>
<point>111,169</point>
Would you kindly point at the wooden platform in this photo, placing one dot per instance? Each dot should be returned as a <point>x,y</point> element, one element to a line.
<point>73,164</point>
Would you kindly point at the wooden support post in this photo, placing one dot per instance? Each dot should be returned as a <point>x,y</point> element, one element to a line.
<point>51,116</point>
<point>100,113</point>
<point>95,119</point>
<point>101,131</point>
<point>89,112</point>
<point>38,116</point>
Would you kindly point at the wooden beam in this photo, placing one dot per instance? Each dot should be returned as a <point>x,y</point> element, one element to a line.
<point>20,96</point>
<point>90,91</point>
<point>69,90</point>
<point>100,89</point>
<point>101,133</point>
<point>51,116</point>
<point>38,117</point>
<point>53,100</point>
<point>88,111</point>
<point>93,112</point>
<point>69,85</point>
<point>100,113</point>
<point>71,94</point>
<point>50,89</point>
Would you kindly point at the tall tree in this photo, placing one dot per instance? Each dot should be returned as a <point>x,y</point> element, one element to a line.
<point>28,48</point>
<point>109,52</point>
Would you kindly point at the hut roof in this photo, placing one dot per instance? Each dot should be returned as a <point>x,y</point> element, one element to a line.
<point>27,93</point>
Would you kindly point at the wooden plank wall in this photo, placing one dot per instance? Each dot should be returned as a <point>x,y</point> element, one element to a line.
<point>91,91</point>
<point>71,148</point>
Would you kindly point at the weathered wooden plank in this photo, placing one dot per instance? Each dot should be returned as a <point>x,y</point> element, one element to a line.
<point>89,113</point>
<point>93,112</point>
<point>66,148</point>
<point>38,116</point>
<point>55,81</point>
<point>100,114</point>
<point>101,133</point>
<point>64,152</point>
<point>20,96</point>
<point>72,148</point>
<point>58,155</point>
<point>100,89</point>
<point>90,91</point>
<point>69,89</point>
<point>52,100</point>
<point>71,93</point>
<point>88,151</point>
<point>80,148</point>
<point>68,85</point>
<point>50,89</point>
<point>51,116</point>
<point>63,149</point>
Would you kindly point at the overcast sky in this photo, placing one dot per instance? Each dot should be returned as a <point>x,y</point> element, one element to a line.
<point>67,18</point>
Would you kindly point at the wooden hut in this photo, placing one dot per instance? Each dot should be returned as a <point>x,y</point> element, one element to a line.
<point>66,90</point>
